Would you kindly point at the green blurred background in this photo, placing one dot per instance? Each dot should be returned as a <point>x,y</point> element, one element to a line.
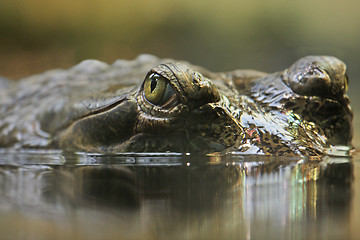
<point>36,35</point>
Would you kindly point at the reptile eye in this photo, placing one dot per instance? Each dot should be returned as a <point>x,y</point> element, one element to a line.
<point>157,89</point>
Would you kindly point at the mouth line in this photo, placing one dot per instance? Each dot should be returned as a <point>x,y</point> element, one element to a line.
<point>104,108</point>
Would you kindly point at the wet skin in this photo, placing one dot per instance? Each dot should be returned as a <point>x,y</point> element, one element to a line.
<point>179,107</point>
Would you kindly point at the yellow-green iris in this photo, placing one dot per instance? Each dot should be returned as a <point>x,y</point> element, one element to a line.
<point>157,89</point>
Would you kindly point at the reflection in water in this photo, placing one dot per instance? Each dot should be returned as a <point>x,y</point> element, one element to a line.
<point>183,197</point>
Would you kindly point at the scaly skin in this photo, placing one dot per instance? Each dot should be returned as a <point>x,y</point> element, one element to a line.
<point>179,107</point>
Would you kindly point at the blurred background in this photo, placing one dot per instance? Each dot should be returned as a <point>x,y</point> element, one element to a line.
<point>37,35</point>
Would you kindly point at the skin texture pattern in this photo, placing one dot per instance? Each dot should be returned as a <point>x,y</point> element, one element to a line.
<point>158,105</point>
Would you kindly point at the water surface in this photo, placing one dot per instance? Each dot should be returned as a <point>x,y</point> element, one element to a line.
<point>60,195</point>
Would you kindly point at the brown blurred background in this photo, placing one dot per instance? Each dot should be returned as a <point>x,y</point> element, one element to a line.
<point>36,35</point>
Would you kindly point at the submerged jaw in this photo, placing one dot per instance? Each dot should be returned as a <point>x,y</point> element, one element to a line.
<point>223,108</point>
<point>226,128</point>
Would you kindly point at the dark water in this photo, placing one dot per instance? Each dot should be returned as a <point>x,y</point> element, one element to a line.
<point>57,195</point>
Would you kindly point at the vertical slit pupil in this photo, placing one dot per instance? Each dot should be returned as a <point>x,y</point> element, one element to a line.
<point>153,83</point>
